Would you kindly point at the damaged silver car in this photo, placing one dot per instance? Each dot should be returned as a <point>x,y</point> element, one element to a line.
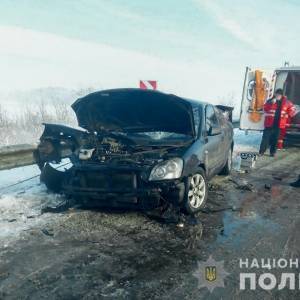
<point>138,149</point>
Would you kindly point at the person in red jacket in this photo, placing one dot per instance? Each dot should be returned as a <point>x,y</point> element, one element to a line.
<point>277,111</point>
<point>282,134</point>
<point>281,138</point>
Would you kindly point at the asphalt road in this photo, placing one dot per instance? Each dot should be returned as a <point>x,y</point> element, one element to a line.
<point>85,254</point>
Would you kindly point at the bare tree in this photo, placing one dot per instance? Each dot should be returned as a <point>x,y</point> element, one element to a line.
<point>27,127</point>
<point>3,118</point>
<point>63,113</point>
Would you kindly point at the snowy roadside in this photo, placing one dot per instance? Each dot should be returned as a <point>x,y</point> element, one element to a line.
<point>20,205</point>
<point>249,142</point>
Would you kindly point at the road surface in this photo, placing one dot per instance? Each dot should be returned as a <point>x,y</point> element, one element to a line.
<point>85,254</point>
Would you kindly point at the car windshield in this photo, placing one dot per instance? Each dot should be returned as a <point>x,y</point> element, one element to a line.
<point>157,137</point>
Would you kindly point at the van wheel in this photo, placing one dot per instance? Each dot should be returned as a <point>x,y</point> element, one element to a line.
<point>196,192</point>
<point>228,166</point>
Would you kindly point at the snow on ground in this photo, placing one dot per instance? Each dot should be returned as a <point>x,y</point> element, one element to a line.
<point>246,142</point>
<point>9,177</point>
<point>20,205</point>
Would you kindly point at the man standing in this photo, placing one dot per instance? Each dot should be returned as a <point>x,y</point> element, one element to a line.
<point>277,111</point>
<point>281,138</point>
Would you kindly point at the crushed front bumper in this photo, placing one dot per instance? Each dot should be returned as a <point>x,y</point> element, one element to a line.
<point>120,187</point>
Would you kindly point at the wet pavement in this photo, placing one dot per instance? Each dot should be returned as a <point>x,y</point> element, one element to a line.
<point>83,254</point>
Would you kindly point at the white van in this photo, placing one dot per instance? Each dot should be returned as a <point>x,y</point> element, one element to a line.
<point>252,115</point>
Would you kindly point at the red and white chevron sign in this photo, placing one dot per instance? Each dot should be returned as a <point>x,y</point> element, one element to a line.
<point>148,84</point>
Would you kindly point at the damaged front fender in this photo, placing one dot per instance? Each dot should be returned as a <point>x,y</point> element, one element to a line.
<point>57,142</point>
<point>54,178</point>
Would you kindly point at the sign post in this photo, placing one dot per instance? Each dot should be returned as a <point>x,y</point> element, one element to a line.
<point>148,84</point>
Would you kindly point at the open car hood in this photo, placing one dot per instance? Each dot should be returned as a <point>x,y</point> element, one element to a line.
<point>133,110</point>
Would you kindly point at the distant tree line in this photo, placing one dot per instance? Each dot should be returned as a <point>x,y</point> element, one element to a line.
<point>27,126</point>
<point>46,106</point>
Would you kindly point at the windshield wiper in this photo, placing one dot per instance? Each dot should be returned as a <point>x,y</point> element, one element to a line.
<point>186,143</point>
<point>154,148</point>
<point>140,128</point>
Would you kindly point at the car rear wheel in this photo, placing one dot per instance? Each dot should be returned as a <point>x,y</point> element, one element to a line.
<point>196,192</point>
<point>228,166</point>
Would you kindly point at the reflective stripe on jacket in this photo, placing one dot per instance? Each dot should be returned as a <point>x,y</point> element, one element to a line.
<point>288,110</point>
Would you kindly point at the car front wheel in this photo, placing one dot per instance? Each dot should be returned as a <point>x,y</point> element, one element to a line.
<point>196,192</point>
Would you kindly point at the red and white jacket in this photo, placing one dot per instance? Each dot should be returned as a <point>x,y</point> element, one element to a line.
<point>288,110</point>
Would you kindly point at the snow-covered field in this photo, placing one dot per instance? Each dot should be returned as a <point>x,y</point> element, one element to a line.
<point>20,205</point>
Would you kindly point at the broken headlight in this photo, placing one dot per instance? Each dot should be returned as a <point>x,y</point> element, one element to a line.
<point>169,169</point>
<point>85,154</point>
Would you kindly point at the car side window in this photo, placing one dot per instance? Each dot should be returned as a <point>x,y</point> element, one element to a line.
<point>196,114</point>
<point>211,119</point>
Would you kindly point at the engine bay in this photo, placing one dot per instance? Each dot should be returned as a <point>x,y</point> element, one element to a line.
<point>121,150</point>
<point>111,148</point>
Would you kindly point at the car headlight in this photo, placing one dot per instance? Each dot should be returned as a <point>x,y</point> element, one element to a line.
<point>169,169</point>
<point>85,154</point>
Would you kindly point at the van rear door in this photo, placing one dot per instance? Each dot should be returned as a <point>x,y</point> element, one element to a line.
<point>288,78</point>
<point>258,87</point>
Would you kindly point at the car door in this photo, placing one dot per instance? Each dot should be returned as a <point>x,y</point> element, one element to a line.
<point>259,85</point>
<point>213,139</point>
<point>226,136</point>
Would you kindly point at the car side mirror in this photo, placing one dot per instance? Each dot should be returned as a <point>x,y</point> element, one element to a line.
<point>214,130</point>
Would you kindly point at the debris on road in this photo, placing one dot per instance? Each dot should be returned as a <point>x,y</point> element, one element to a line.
<point>248,160</point>
<point>243,185</point>
<point>268,186</point>
<point>99,252</point>
<point>48,232</point>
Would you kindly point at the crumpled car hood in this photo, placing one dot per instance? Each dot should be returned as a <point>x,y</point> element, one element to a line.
<point>132,110</point>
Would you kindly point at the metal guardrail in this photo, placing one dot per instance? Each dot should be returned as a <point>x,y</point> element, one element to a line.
<point>16,156</point>
<point>22,155</point>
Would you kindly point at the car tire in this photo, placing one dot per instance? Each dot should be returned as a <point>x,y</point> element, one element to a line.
<point>228,166</point>
<point>196,192</point>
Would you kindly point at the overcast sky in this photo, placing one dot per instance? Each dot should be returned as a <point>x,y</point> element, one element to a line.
<point>194,48</point>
